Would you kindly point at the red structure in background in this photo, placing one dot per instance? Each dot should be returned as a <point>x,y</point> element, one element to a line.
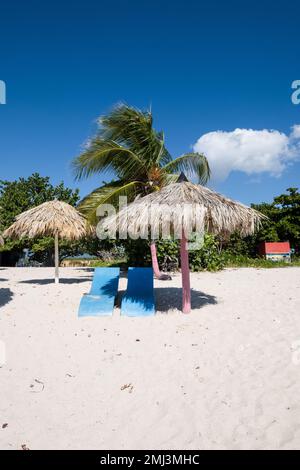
<point>278,248</point>
<point>275,251</point>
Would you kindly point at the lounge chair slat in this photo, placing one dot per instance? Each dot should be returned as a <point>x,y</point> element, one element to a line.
<point>100,301</point>
<point>139,298</point>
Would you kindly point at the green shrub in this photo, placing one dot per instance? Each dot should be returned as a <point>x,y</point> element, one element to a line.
<point>236,245</point>
<point>121,263</point>
<point>208,257</point>
<point>137,252</point>
<point>237,261</point>
<point>168,254</point>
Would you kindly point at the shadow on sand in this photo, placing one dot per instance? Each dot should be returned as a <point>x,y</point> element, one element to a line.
<point>63,280</point>
<point>5,296</point>
<point>170,298</point>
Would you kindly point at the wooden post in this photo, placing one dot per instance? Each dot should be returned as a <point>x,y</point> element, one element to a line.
<point>56,258</point>
<point>185,274</point>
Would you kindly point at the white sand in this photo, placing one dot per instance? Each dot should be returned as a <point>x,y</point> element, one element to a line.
<point>227,376</point>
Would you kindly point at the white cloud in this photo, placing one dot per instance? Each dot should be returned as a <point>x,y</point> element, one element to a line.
<point>295,134</point>
<point>250,151</point>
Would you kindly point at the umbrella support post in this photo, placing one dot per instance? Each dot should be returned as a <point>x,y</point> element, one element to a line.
<point>56,258</point>
<point>157,273</point>
<point>185,273</point>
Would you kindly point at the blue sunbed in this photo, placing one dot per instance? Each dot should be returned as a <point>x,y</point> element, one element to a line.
<point>100,301</point>
<point>139,298</point>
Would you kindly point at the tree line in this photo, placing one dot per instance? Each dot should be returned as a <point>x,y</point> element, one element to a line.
<point>17,196</point>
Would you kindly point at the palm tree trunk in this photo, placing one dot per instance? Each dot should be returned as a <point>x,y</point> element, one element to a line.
<point>155,266</point>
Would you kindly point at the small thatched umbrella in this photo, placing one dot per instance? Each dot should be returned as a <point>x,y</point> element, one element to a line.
<point>53,219</point>
<point>183,207</point>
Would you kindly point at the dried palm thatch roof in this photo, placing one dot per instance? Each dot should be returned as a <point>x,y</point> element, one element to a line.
<point>48,219</point>
<point>184,205</point>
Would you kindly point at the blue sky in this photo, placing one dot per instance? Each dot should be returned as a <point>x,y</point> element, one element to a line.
<point>203,66</point>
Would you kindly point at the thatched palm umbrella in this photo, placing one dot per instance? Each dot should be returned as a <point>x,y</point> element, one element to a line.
<point>183,207</point>
<point>54,219</point>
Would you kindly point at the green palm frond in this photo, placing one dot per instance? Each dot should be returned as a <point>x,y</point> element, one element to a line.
<point>104,155</point>
<point>170,178</point>
<point>133,129</point>
<point>107,194</point>
<point>193,164</point>
<point>127,145</point>
<point>163,156</point>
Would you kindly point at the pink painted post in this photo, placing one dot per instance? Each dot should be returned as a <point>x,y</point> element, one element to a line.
<point>157,273</point>
<point>154,260</point>
<point>185,274</point>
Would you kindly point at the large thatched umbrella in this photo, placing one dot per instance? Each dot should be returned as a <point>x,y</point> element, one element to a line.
<point>183,207</point>
<point>54,219</point>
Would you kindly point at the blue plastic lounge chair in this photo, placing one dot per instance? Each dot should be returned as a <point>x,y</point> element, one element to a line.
<point>100,301</point>
<point>139,298</point>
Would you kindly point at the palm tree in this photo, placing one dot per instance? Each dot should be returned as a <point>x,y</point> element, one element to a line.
<point>128,146</point>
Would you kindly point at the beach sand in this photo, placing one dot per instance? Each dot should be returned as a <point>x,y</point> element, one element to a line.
<point>226,376</point>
